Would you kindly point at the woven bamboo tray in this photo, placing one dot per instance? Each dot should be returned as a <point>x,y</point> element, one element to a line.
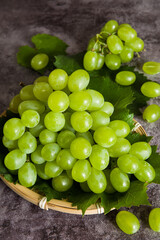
<point>59,205</point>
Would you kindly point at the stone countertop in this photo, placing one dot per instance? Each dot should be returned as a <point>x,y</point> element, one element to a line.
<point>75,22</point>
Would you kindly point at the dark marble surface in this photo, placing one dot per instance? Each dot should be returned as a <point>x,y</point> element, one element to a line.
<point>75,22</point>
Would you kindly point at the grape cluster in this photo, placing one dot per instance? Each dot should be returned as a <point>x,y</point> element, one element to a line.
<point>64,133</point>
<point>115,44</point>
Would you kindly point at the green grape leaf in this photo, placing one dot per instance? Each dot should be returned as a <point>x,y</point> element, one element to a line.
<point>135,196</point>
<point>24,56</point>
<point>134,137</point>
<point>154,160</point>
<point>123,114</point>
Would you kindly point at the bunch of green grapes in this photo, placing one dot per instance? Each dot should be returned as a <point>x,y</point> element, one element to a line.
<point>115,44</point>
<point>64,133</point>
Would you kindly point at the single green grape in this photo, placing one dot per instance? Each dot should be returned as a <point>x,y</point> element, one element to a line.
<point>79,101</point>
<point>121,128</point>
<point>90,60</point>
<point>100,118</point>
<point>30,118</point>
<point>68,126</point>
<point>31,105</point>
<point>39,61</point>
<point>14,103</point>
<point>121,147</point>
<point>154,219</point>
<point>35,131</point>
<point>47,136</point>
<point>87,135</point>
<point>27,143</point>
<point>115,45</point>
<point>78,80</point>
<point>151,68</point>
<point>50,151</point>
<point>124,25</point>
<point>15,159</point>
<point>119,180</point>
<point>109,189</point>
<point>112,61</point>
<point>142,150</point>
<point>100,61</point>
<point>13,129</point>
<point>127,34</point>
<point>10,144</point>
<point>81,170</point>
<point>36,156</point>
<point>54,121</point>
<point>69,173</point>
<point>41,79</point>
<point>42,90</point>
<point>137,44</point>
<point>81,121</point>
<point>146,172</point>
<point>151,113</point>
<point>127,222</point>
<point>128,163</point>
<point>52,169</point>
<point>65,159</point>
<point>58,79</point>
<point>125,78</point>
<point>105,136</point>
<point>97,181</point>
<point>107,108</point>
<point>84,187</point>
<point>40,171</point>
<point>97,100</point>
<point>27,174</point>
<point>111,26</point>
<point>26,93</point>
<point>65,138</point>
<point>62,183</point>
<point>151,89</point>
<point>127,54</point>
<point>80,148</point>
<point>58,101</point>
<point>93,45</point>
<point>99,157</point>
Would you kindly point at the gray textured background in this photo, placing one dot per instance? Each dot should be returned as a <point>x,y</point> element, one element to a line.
<point>74,22</point>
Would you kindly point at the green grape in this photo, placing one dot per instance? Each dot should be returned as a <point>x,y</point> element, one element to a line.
<point>151,89</point>
<point>79,101</point>
<point>39,61</point>
<point>114,44</point>
<point>111,26</point>
<point>142,150</point>
<point>65,159</point>
<point>105,136</point>
<point>97,100</point>
<point>100,61</point>
<point>81,170</point>
<point>54,121</point>
<point>146,173</point>
<point>13,129</point>
<point>27,143</point>
<point>93,45</point>
<point>30,118</point>
<point>109,189</point>
<point>127,54</point>
<point>27,174</point>
<point>97,181</point>
<point>121,147</point>
<point>119,180</point>
<point>52,169</point>
<point>87,135</point>
<point>40,171</point>
<point>42,90</point>
<point>90,60</point>
<point>14,103</point>
<point>35,131</point>
<point>36,155</point>
<point>128,163</point>
<point>107,108</point>
<point>99,157</point>
<point>151,68</point>
<point>154,219</point>
<point>47,136</point>
<point>124,25</point>
<point>68,125</point>
<point>137,44</point>
<point>26,93</point>
<point>151,113</point>
<point>58,79</point>
<point>81,121</point>
<point>31,105</point>
<point>69,173</point>
<point>121,128</point>
<point>15,159</point>
<point>112,61</point>
<point>78,80</point>
<point>127,34</point>
<point>127,222</point>
<point>80,148</point>
<point>58,101</point>
<point>62,183</point>
<point>100,118</point>
<point>84,187</point>
<point>125,78</point>
<point>65,138</point>
<point>50,151</point>
<point>41,79</point>
<point>10,144</point>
